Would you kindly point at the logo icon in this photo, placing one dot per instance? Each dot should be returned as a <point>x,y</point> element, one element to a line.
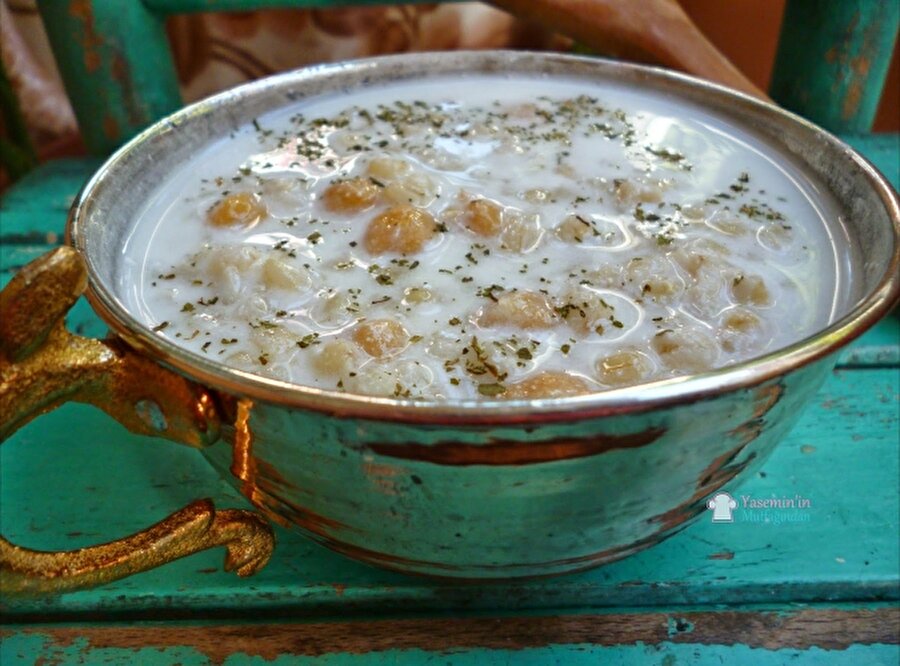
<point>722,505</point>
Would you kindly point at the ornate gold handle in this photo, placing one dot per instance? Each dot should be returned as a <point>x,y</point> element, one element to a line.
<point>43,365</point>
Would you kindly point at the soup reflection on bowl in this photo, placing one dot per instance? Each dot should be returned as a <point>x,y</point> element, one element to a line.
<point>490,314</point>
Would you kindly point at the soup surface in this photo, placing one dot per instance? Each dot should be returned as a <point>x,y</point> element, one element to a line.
<point>484,237</point>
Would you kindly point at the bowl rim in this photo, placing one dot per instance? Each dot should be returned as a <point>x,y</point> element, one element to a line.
<point>636,398</point>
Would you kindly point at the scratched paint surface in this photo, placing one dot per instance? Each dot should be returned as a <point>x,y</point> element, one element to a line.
<point>832,60</point>
<point>20,648</point>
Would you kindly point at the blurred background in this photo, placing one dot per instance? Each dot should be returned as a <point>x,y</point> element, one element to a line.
<point>217,51</point>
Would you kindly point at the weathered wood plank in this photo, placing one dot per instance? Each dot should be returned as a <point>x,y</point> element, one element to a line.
<point>766,632</point>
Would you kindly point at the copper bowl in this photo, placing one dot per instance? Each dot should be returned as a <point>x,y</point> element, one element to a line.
<point>466,489</point>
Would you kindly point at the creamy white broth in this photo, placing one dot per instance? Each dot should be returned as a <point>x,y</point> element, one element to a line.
<point>637,238</point>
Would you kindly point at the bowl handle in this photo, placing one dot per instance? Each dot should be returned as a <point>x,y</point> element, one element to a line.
<point>42,366</point>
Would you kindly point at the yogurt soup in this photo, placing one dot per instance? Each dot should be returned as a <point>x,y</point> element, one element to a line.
<point>485,237</point>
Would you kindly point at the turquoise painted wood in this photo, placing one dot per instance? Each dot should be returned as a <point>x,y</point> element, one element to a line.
<point>842,457</point>
<point>118,82</point>
<point>21,647</point>
<point>833,59</point>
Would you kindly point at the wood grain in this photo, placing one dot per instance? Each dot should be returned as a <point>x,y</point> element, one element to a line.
<point>827,629</point>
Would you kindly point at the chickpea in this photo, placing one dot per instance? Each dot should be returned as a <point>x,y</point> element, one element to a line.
<point>243,360</point>
<point>740,320</point>
<point>520,232</point>
<point>607,276</point>
<point>371,380</point>
<point>403,379</point>
<point>551,384</point>
<point>284,195</point>
<point>524,111</point>
<point>402,229</point>
<point>386,168</point>
<point>584,308</point>
<point>750,290</point>
<point>276,340</point>
<point>441,159</point>
<point>415,190</point>
<point>624,368</point>
<point>740,330</point>
<point>351,196</point>
<point>336,358</point>
<point>700,255</point>
<point>686,351</point>
<point>240,257</point>
<point>381,337</point>
<point>653,277</point>
<point>522,309</point>
<point>227,269</point>
<point>443,346</point>
<point>574,229</point>
<point>567,170</point>
<point>632,192</point>
<point>242,208</point>
<point>333,309</point>
<point>279,274</point>
<point>483,216</point>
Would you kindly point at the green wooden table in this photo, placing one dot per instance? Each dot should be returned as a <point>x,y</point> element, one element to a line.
<point>806,585</point>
